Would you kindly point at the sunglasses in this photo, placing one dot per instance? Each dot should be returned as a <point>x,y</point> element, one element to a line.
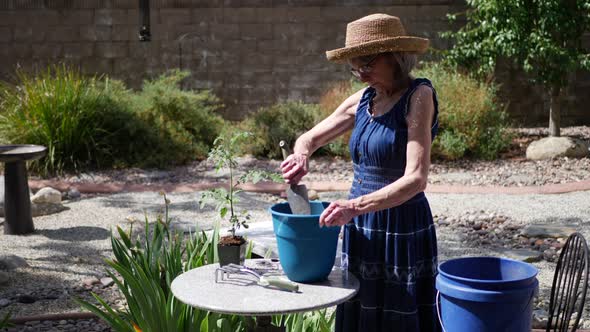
<point>366,69</point>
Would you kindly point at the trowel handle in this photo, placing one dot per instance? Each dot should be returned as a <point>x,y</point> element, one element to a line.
<point>281,282</point>
<point>284,149</point>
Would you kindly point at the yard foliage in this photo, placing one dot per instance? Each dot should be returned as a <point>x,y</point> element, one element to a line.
<point>472,121</point>
<point>283,121</point>
<point>543,38</point>
<point>97,122</point>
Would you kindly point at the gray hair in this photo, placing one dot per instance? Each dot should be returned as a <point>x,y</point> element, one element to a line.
<point>406,62</point>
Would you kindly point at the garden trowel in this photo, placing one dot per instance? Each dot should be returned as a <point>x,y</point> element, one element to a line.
<point>296,193</point>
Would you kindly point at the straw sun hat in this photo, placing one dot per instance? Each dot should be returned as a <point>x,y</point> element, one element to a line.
<point>375,34</point>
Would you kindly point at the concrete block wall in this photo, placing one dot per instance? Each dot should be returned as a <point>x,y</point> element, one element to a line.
<point>251,53</point>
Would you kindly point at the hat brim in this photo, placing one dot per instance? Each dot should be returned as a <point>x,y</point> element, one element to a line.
<point>393,44</point>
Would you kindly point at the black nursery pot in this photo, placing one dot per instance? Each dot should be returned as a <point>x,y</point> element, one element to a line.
<point>231,254</point>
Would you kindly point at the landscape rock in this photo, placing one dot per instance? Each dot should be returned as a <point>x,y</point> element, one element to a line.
<point>540,319</point>
<point>47,195</point>
<point>107,281</point>
<point>90,281</point>
<point>27,299</point>
<point>524,255</point>
<point>552,147</point>
<point>11,262</point>
<point>550,255</point>
<point>4,302</point>
<point>73,193</point>
<point>547,230</point>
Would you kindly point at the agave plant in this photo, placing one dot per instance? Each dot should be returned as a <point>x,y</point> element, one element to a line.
<point>316,321</point>
<point>147,269</point>
<point>144,270</point>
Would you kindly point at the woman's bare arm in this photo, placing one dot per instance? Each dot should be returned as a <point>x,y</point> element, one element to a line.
<point>296,165</point>
<point>331,127</point>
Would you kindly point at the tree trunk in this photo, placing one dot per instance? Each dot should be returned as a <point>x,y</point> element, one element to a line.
<point>555,112</point>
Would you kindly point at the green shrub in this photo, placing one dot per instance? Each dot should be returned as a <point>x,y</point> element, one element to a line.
<point>97,122</point>
<point>285,121</point>
<point>129,138</point>
<point>472,121</point>
<point>183,123</point>
<point>60,109</point>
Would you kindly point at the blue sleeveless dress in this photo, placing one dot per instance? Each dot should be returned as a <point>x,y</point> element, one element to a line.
<point>393,252</point>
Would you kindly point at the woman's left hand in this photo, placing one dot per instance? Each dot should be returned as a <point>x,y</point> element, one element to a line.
<point>338,213</point>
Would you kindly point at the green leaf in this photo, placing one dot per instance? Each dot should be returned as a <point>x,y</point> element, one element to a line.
<point>205,325</point>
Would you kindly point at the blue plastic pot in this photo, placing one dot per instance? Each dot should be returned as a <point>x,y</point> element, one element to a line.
<point>306,250</point>
<point>480,294</point>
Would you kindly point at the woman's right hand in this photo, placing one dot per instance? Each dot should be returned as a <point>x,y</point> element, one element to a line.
<point>294,168</point>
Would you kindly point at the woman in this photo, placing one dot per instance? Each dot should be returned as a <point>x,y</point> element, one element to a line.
<point>389,238</point>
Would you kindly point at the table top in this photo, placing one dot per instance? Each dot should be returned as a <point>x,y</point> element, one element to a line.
<point>21,152</point>
<point>240,294</point>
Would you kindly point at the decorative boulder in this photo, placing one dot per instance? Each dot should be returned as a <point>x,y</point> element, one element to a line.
<point>46,201</point>
<point>12,262</point>
<point>47,195</point>
<point>552,147</point>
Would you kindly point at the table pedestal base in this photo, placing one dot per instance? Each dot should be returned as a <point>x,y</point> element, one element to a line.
<point>17,203</point>
<point>263,325</point>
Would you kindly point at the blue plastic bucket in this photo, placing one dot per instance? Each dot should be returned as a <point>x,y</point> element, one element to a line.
<point>306,250</point>
<point>486,294</point>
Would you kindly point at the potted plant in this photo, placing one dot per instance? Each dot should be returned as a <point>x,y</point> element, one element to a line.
<point>226,148</point>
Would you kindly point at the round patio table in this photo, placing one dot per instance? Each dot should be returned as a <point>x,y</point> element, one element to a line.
<point>239,294</point>
<point>17,204</point>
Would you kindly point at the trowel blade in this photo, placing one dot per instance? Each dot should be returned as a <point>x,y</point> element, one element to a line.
<point>298,199</point>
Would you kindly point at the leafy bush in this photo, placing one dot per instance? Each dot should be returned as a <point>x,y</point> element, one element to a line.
<point>96,122</point>
<point>184,123</point>
<point>285,121</point>
<point>126,135</point>
<point>59,109</point>
<point>472,122</point>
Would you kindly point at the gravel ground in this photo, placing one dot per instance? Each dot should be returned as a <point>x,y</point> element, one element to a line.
<point>69,247</point>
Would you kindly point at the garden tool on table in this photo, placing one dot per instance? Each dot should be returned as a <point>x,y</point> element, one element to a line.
<point>296,193</point>
<point>277,281</point>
